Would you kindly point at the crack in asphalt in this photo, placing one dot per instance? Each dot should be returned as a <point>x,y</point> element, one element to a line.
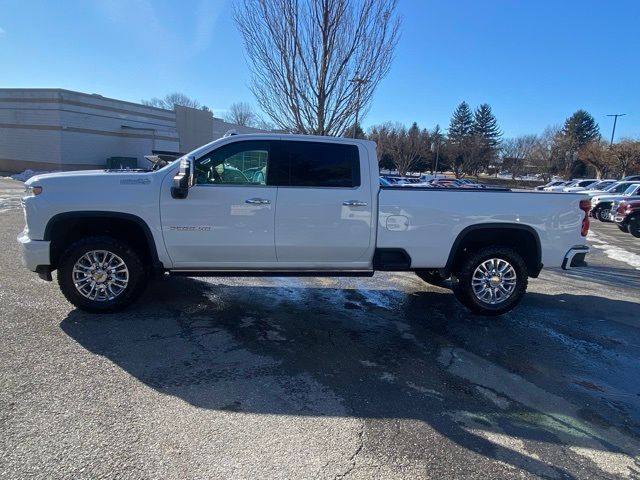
<point>353,459</point>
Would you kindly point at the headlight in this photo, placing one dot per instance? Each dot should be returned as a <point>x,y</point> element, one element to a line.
<point>32,190</point>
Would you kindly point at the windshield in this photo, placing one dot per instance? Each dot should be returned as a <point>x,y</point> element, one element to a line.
<point>631,189</point>
<point>585,183</point>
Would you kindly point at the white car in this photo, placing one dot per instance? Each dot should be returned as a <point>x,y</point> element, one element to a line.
<point>318,209</point>
<point>613,189</point>
<point>580,185</point>
<point>601,204</point>
<point>596,185</point>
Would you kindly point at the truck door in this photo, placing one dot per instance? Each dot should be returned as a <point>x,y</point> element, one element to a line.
<point>324,213</point>
<point>228,216</point>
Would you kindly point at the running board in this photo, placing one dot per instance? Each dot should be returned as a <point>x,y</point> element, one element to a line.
<point>271,273</point>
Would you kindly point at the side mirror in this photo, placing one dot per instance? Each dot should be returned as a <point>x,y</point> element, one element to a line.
<point>184,179</point>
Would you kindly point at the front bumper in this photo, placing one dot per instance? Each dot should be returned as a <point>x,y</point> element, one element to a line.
<point>35,253</point>
<point>575,257</point>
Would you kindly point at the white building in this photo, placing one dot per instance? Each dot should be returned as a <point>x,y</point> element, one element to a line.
<point>55,129</point>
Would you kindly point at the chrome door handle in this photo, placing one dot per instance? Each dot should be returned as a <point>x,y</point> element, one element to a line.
<point>258,201</point>
<point>354,203</point>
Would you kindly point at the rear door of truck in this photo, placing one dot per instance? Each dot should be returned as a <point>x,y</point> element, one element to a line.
<point>324,216</point>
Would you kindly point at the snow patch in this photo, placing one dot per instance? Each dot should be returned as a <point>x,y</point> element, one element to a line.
<point>615,253</point>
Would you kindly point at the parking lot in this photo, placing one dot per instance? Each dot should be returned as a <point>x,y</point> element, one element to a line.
<point>384,377</point>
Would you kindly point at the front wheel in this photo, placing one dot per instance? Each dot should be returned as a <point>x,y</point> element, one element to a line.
<point>634,226</point>
<point>491,281</point>
<point>623,228</point>
<point>100,274</point>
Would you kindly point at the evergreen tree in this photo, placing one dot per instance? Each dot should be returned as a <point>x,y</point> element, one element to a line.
<point>460,144</point>
<point>461,125</point>
<point>580,129</point>
<point>485,126</point>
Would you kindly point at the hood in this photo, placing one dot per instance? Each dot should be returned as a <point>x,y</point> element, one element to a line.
<point>609,198</point>
<point>79,175</point>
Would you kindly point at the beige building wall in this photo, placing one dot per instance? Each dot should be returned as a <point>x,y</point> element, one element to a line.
<point>194,127</point>
<point>54,129</point>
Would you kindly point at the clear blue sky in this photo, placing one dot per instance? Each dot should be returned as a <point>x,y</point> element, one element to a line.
<point>535,62</point>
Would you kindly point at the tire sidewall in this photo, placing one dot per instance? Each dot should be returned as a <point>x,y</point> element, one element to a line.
<point>464,291</point>
<point>634,226</point>
<point>601,214</point>
<point>128,255</point>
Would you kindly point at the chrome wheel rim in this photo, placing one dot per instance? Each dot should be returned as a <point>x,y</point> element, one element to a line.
<point>100,275</point>
<point>494,281</point>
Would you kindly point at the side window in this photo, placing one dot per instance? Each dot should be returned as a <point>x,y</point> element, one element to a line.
<point>317,164</point>
<point>237,163</point>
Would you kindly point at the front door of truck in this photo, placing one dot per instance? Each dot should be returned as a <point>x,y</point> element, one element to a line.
<point>227,219</point>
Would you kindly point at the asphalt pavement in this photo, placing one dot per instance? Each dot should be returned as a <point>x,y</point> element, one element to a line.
<point>383,377</point>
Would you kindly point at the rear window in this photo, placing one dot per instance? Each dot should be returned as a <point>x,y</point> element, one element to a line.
<point>317,164</point>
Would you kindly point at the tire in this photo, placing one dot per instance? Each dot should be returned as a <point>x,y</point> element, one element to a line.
<point>433,277</point>
<point>623,228</point>
<point>634,226</point>
<point>514,281</point>
<point>603,214</point>
<point>101,291</point>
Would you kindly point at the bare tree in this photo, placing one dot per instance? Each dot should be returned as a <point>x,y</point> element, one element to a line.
<point>516,152</point>
<point>241,113</point>
<point>404,147</point>
<point>170,100</point>
<point>626,155</point>
<point>597,154</point>
<point>316,63</point>
<point>545,152</point>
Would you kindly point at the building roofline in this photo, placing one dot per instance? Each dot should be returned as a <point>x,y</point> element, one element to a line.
<point>90,95</point>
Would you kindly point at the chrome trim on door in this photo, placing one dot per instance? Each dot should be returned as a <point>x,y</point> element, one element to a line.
<point>258,201</point>
<point>354,203</point>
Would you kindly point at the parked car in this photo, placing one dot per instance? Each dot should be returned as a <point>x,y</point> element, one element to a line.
<point>446,182</point>
<point>631,178</point>
<point>552,183</point>
<point>614,188</point>
<point>627,217</point>
<point>558,188</point>
<point>464,183</point>
<point>321,211</point>
<point>601,204</point>
<point>580,185</point>
<point>597,185</point>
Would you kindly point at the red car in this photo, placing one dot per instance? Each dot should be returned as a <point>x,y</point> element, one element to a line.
<point>627,217</point>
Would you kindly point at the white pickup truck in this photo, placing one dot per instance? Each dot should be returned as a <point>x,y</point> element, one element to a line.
<point>282,205</point>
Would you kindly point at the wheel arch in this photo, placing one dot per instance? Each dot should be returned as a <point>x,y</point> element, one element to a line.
<point>67,227</point>
<point>522,238</point>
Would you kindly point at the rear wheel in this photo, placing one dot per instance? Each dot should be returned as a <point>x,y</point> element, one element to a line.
<point>100,274</point>
<point>634,226</point>
<point>603,214</point>
<point>491,281</point>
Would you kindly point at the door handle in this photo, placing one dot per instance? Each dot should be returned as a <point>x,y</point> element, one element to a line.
<point>354,203</point>
<point>258,201</point>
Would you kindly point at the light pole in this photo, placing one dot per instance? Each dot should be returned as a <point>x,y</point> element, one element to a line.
<point>615,120</point>
<point>436,146</point>
<point>358,82</point>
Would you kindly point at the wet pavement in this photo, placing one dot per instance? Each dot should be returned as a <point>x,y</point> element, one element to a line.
<point>384,377</point>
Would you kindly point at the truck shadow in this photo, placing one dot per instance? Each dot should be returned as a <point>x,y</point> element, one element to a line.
<point>292,347</point>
